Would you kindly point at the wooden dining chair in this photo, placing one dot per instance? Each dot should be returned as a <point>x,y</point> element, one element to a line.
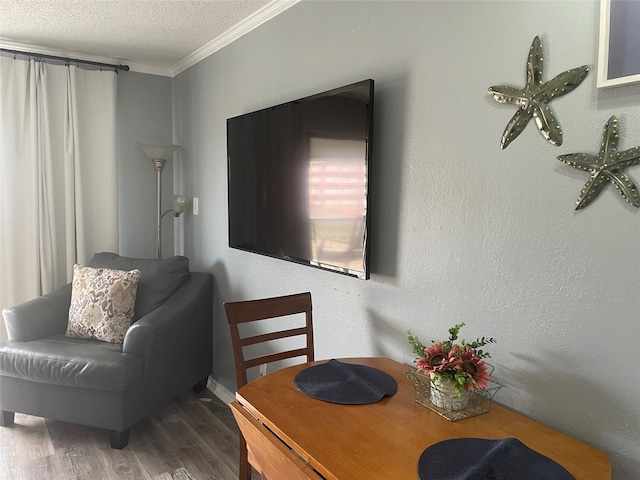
<point>293,306</point>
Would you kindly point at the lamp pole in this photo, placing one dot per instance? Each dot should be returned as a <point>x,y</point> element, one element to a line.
<point>159,154</point>
<point>158,163</point>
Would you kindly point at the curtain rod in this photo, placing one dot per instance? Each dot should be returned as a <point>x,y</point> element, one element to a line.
<point>67,60</point>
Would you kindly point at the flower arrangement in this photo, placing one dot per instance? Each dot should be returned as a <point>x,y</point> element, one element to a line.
<point>459,363</point>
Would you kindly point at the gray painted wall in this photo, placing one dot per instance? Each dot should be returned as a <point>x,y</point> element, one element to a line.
<point>462,231</point>
<point>144,116</point>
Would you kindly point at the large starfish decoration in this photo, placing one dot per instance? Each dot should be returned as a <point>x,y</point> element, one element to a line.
<point>607,165</point>
<point>533,99</point>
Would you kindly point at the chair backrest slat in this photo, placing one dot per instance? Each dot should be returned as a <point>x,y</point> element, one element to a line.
<point>267,337</point>
<point>275,357</point>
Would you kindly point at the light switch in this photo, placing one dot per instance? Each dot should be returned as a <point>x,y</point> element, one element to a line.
<point>195,205</point>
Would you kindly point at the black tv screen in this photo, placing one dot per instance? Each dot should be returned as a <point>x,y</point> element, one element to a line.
<point>298,180</point>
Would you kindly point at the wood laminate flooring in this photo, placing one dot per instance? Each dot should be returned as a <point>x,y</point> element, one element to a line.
<point>193,438</point>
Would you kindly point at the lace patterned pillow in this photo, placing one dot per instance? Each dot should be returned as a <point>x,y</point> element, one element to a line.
<point>102,303</point>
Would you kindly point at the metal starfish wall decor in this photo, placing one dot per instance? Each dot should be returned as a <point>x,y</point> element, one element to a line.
<point>533,99</point>
<point>607,166</point>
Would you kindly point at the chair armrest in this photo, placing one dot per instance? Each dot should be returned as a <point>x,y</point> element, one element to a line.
<point>40,317</point>
<point>176,339</point>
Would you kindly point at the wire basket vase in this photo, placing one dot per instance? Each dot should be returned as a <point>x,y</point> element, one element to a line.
<point>447,403</point>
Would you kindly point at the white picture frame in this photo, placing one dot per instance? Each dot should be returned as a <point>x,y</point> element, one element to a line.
<point>618,66</point>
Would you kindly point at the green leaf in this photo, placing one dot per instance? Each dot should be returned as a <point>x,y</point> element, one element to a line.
<point>416,345</point>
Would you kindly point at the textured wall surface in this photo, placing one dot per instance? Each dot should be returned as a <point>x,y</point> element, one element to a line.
<point>462,231</point>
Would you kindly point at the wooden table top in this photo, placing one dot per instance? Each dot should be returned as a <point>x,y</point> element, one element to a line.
<point>384,440</point>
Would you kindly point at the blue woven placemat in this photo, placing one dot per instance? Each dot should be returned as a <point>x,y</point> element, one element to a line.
<point>345,383</point>
<point>482,459</point>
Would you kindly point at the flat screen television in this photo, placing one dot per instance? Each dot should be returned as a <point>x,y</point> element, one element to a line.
<point>298,180</point>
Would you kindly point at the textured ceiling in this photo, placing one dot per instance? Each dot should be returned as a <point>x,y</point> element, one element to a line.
<point>155,33</point>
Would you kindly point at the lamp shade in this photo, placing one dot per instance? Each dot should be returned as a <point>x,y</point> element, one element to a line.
<point>180,203</point>
<point>157,151</point>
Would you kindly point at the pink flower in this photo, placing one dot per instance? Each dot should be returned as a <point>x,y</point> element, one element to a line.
<point>435,359</point>
<point>482,377</point>
<point>474,369</point>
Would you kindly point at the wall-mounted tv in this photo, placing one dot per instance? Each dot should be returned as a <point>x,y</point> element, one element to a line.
<point>298,180</point>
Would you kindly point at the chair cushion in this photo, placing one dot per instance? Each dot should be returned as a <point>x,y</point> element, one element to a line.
<point>102,303</point>
<point>72,362</point>
<point>159,278</point>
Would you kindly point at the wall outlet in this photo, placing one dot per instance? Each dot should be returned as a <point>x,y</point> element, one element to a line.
<point>263,369</point>
<point>195,206</point>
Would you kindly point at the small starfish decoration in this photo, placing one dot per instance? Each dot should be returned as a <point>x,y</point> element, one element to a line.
<point>607,165</point>
<point>533,99</point>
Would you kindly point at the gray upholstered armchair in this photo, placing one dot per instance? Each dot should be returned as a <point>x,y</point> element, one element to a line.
<point>167,350</point>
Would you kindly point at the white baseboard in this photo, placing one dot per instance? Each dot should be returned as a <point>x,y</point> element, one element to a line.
<point>219,391</point>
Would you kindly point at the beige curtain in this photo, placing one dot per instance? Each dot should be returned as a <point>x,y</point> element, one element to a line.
<point>58,178</point>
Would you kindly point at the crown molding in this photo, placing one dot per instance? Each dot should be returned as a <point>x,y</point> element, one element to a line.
<point>261,16</point>
<point>149,69</point>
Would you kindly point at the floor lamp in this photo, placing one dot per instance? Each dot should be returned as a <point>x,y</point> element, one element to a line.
<point>160,154</point>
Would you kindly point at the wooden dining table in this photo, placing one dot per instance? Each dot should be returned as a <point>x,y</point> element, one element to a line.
<point>382,440</point>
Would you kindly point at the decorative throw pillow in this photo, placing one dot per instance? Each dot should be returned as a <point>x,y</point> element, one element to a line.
<point>102,303</point>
